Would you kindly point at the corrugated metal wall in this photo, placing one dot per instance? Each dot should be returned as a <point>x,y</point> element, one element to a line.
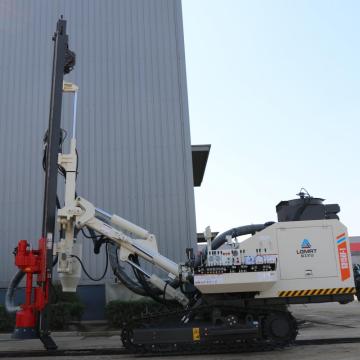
<point>133,122</point>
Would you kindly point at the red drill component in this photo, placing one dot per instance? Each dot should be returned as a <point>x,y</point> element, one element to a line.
<point>32,262</point>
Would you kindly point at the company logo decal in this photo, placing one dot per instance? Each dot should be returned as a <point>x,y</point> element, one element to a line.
<point>343,256</point>
<point>305,244</point>
<point>306,250</point>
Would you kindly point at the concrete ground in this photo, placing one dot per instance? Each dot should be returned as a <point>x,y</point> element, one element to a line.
<point>321,321</point>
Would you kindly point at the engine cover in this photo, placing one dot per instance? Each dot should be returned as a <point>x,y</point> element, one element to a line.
<point>294,258</point>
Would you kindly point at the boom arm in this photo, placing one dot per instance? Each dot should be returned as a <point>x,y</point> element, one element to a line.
<point>79,212</point>
<point>144,245</point>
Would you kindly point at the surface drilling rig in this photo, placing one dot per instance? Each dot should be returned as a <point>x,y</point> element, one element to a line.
<point>231,295</point>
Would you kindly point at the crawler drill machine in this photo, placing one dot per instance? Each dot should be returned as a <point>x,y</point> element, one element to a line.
<point>231,296</point>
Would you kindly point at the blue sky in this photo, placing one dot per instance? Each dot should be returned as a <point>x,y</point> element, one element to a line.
<point>274,87</point>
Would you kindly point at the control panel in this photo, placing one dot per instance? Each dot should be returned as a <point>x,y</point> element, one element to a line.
<point>230,260</point>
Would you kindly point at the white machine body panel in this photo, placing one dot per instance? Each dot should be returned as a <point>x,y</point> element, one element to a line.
<point>306,252</point>
<point>243,282</point>
<point>305,255</point>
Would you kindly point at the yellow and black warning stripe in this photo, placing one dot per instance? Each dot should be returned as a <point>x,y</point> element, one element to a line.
<point>315,292</point>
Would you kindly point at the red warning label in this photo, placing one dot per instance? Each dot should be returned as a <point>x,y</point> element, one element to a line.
<point>343,257</point>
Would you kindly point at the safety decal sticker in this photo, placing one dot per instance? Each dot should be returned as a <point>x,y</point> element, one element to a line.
<point>314,292</point>
<point>196,334</point>
<point>343,256</point>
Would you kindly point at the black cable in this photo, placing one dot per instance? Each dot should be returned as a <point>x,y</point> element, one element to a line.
<point>55,260</point>
<point>63,135</point>
<point>164,291</point>
<point>90,236</point>
<point>77,162</point>
<point>87,274</point>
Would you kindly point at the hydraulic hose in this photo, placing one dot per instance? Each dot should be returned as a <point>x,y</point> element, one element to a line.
<point>133,285</point>
<point>10,293</point>
<point>140,285</point>
<point>234,232</point>
<point>120,272</point>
